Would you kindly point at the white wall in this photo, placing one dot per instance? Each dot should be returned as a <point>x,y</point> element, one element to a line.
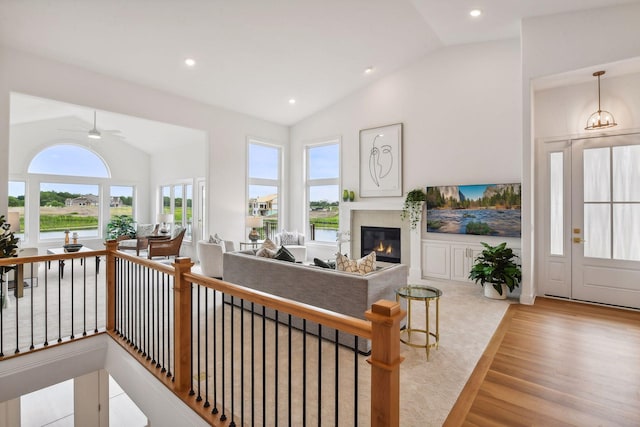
<point>226,130</point>
<point>460,109</point>
<point>563,111</point>
<point>557,44</point>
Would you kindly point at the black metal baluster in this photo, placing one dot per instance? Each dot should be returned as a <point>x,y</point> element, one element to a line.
<point>145,329</point>
<point>164,329</point>
<point>275,383</point>
<point>84,300</point>
<point>46,311</point>
<point>264,365</point>
<point>355,380</point>
<point>223,417</point>
<point>169,331</point>
<point>242,361</point>
<point>153,324</point>
<point>116,305</point>
<point>337,389</point>
<point>158,325</point>
<point>215,353</point>
<point>233,354</point>
<point>59,301</point>
<point>253,364</point>
<point>199,398</point>
<point>72,298</point>
<point>319,374</point>
<point>289,372</point>
<point>17,323</point>
<point>96,298</point>
<point>304,372</point>
<point>32,292</point>
<point>206,347</point>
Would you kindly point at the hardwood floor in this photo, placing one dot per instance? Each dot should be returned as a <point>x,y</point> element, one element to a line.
<point>556,363</point>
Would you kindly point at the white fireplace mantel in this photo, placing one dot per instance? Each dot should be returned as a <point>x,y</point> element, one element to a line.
<point>347,210</point>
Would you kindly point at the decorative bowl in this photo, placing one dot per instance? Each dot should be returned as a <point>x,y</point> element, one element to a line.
<point>72,247</point>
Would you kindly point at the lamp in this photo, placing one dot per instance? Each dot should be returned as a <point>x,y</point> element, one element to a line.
<point>164,219</point>
<point>254,222</point>
<point>600,119</point>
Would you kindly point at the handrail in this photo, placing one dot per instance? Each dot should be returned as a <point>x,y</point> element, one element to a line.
<point>329,318</point>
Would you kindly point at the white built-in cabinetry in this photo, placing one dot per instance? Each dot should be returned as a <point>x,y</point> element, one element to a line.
<point>451,260</point>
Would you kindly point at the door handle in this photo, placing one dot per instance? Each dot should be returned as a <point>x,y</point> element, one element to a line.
<point>578,240</point>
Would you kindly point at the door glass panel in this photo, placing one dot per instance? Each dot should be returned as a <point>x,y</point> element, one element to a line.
<point>626,173</point>
<point>596,175</point>
<point>597,230</point>
<point>626,231</point>
<point>556,201</point>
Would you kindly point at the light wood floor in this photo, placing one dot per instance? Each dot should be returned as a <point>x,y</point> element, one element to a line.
<point>556,363</point>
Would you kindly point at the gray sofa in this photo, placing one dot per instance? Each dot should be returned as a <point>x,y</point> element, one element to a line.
<point>347,293</point>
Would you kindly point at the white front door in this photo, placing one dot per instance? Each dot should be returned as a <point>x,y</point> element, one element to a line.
<point>605,220</point>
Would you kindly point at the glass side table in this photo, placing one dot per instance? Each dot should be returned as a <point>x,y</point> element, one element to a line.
<point>426,294</point>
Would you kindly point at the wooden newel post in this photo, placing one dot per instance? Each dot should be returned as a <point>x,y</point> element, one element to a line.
<point>182,324</point>
<point>385,360</point>
<point>112,246</point>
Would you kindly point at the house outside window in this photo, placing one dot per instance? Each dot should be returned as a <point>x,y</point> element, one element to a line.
<point>323,188</point>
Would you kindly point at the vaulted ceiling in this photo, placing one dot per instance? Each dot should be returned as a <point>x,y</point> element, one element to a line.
<point>253,56</point>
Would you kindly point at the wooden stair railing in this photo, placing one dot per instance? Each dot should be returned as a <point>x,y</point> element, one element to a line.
<point>382,327</point>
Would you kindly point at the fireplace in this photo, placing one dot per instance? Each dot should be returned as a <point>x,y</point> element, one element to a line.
<point>385,241</point>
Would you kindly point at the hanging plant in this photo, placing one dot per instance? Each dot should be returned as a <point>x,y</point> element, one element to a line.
<point>412,207</point>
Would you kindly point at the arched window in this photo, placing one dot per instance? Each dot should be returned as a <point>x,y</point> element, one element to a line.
<point>69,203</point>
<point>68,160</point>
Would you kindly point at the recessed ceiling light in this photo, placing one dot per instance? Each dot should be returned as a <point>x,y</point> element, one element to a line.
<point>292,101</point>
<point>368,70</point>
<point>475,13</point>
<point>190,62</point>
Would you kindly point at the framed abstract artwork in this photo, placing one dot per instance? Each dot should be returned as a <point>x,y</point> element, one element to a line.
<point>381,161</point>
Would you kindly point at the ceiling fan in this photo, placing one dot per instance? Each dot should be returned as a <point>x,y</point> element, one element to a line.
<point>94,133</point>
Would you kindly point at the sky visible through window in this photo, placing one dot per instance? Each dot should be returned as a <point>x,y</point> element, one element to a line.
<point>68,160</point>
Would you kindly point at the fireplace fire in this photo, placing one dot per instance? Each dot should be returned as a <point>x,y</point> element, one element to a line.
<point>385,241</point>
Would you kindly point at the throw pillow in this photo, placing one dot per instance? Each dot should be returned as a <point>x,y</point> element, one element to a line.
<point>269,244</point>
<point>363,265</point>
<point>283,254</point>
<point>321,263</point>
<point>266,253</point>
<point>215,239</point>
<point>289,237</point>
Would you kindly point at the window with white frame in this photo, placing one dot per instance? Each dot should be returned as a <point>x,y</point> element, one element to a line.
<point>323,188</point>
<point>176,204</point>
<point>70,199</point>
<point>263,182</point>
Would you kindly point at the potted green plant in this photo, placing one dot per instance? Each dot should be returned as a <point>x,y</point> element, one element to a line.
<point>412,207</point>
<point>496,266</point>
<point>121,225</point>
<point>8,249</point>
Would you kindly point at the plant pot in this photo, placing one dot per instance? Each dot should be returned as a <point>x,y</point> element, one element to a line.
<point>490,291</point>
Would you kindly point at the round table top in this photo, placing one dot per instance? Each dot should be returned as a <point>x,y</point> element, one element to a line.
<point>418,292</point>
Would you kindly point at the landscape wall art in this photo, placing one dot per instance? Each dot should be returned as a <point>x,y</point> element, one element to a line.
<point>486,210</point>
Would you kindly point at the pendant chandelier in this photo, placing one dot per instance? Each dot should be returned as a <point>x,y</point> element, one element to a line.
<point>600,119</point>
